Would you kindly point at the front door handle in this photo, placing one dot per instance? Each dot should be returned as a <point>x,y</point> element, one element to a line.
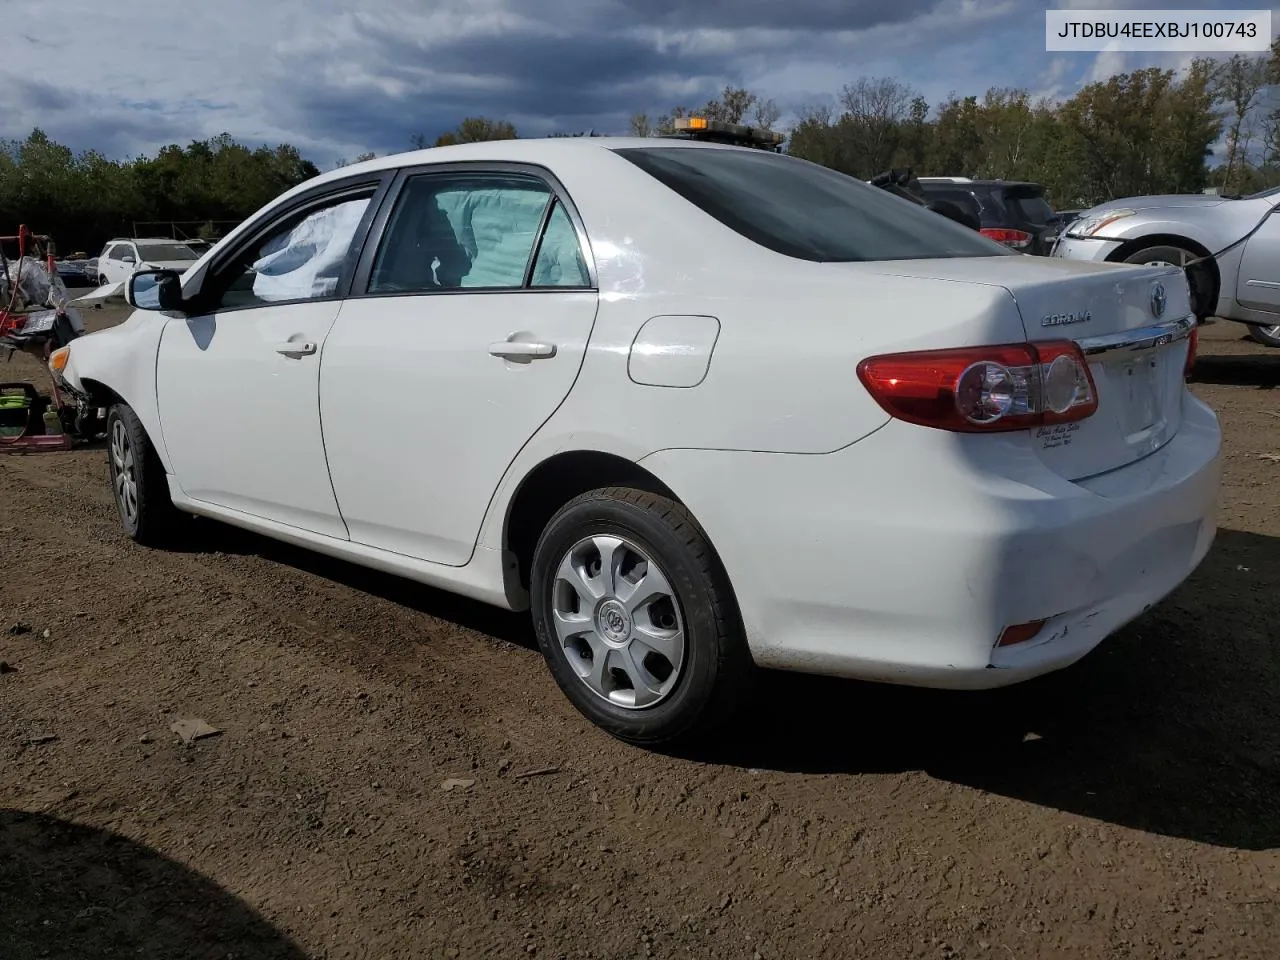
<point>522,350</point>
<point>296,348</point>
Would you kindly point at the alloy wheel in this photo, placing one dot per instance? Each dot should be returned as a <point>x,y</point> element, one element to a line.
<point>124,472</point>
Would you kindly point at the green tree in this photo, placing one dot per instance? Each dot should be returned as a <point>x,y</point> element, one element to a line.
<point>475,130</point>
<point>1238,83</point>
<point>83,199</point>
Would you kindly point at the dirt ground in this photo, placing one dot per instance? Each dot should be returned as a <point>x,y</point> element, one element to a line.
<point>1127,807</point>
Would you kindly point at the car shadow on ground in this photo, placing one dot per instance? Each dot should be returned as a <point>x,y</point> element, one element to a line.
<point>1172,726</point>
<point>73,891</point>
<point>214,537</point>
<point>1238,370</point>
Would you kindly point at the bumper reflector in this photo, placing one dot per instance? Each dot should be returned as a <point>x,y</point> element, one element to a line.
<point>1020,633</point>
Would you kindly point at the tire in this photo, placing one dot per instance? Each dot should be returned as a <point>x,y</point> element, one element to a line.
<point>138,483</point>
<point>697,671</point>
<point>1267,336</point>
<point>1203,296</point>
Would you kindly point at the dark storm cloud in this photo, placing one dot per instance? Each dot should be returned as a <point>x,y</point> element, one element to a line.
<point>38,94</point>
<point>560,63</point>
<point>797,15</point>
<point>339,79</point>
<point>529,72</point>
<point>541,80</point>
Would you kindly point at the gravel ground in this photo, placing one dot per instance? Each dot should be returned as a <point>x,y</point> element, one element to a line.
<point>395,774</point>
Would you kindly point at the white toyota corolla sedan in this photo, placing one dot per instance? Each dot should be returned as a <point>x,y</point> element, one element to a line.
<point>699,408</point>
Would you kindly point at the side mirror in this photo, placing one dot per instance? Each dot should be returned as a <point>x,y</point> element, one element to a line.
<point>953,211</point>
<point>154,290</point>
<point>128,258</point>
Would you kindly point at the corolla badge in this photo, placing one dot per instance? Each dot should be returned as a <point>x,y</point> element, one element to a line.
<point>1062,319</point>
<point>1158,300</point>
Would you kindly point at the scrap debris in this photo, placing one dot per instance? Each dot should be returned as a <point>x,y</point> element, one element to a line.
<point>540,772</point>
<point>191,729</point>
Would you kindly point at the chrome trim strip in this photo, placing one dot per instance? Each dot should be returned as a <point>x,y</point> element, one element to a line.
<point>1143,338</point>
<point>1269,284</point>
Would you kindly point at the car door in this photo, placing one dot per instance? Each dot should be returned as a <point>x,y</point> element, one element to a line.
<point>465,331</point>
<point>237,378</point>
<point>1258,283</point>
<point>113,266</point>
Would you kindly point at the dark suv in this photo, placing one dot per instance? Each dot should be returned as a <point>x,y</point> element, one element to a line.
<point>1012,212</point>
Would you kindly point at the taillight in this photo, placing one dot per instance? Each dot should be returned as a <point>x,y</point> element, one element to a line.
<point>1010,238</point>
<point>1193,344</point>
<point>983,389</point>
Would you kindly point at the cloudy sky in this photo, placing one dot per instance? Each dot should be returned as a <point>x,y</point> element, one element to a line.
<point>339,77</point>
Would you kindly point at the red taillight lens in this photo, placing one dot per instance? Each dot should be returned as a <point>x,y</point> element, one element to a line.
<point>981,389</point>
<point>1193,345</point>
<point>1010,238</point>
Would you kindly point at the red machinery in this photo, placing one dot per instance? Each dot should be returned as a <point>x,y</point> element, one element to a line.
<point>36,329</point>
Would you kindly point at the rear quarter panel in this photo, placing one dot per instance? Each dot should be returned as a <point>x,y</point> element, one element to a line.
<point>782,376</point>
<point>783,373</point>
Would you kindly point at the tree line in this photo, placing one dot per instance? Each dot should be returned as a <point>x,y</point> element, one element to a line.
<point>84,199</point>
<point>1144,132</point>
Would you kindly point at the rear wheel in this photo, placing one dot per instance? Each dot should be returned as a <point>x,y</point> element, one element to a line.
<point>636,618</point>
<point>138,481</point>
<point>1267,336</point>
<point>1203,293</point>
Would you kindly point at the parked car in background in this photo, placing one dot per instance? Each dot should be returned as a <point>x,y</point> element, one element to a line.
<point>1012,212</point>
<point>709,408</point>
<point>1241,283</point>
<point>1057,222</point>
<point>72,273</point>
<point>121,258</point>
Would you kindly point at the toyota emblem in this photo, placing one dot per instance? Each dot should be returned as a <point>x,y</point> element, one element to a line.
<point>1158,300</point>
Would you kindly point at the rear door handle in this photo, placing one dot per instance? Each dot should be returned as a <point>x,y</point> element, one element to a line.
<point>522,350</point>
<point>296,348</point>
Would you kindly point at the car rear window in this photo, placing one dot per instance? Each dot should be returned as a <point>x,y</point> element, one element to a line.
<point>804,210</point>
<point>166,251</point>
<point>967,199</point>
<point>1028,204</point>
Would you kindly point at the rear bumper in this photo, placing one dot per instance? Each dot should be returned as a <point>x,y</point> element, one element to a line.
<point>904,557</point>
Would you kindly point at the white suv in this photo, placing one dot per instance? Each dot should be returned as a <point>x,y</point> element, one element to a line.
<point>121,258</point>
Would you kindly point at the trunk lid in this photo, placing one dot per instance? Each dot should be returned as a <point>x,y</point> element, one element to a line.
<point>1136,347</point>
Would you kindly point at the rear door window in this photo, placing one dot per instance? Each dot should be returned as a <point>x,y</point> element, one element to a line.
<point>461,231</point>
<point>804,210</point>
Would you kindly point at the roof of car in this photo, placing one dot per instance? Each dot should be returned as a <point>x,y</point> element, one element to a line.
<point>985,183</point>
<point>525,150</point>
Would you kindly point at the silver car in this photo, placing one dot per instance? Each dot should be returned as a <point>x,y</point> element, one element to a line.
<point>1242,283</point>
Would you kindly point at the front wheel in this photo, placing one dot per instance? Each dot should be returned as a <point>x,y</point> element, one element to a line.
<point>1267,336</point>
<point>636,619</point>
<point>138,481</point>
<point>1203,296</point>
